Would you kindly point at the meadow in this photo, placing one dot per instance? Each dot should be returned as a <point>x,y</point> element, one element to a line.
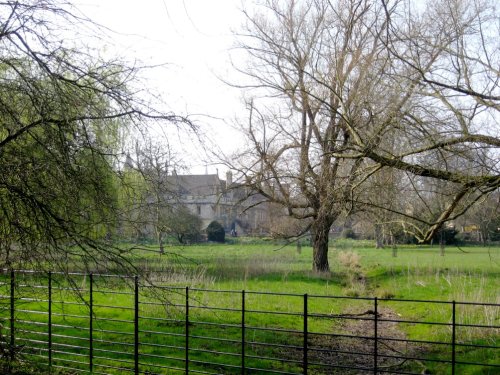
<point>357,268</point>
<point>469,274</point>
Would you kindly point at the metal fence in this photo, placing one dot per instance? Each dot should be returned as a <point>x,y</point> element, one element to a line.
<point>102,324</point>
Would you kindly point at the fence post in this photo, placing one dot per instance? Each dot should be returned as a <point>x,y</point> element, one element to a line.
<point>453,338</point>
<point>50,322</point>
<point>12,317</point>
<point>243,332</point>
<point>305,363</point>
<point>375,342</point>
<point>136,325</point>
<point>187,331</point>
<point>91,321</point>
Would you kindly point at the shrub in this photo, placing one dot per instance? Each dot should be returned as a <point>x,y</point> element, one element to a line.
<point>215,232</point>
<point>447,235</point>
<point>348,233</point>
<point>385,294</point>
<point>349,259</point>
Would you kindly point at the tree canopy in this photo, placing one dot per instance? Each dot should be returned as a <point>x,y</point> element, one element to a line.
<point>63,108</point>
<point>346,94</point>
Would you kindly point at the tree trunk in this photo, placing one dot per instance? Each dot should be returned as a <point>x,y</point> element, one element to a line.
<point>319,238</point>
<point>394,246</point>
<point>160,242</point>
<point>299,247</point>
<point>379,236</point>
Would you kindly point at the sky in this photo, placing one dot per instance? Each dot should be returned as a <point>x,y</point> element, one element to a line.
<point>193,38</point>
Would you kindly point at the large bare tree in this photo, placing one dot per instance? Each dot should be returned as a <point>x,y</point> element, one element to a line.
<point>343,90</point>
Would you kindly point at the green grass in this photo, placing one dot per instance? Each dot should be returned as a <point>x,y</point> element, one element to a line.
<point>467,274</point>
<point>416,272</point>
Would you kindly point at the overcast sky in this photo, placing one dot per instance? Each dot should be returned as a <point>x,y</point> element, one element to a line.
<point>193,37</point>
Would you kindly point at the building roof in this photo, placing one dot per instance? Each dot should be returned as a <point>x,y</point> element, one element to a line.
<point>196,185</point>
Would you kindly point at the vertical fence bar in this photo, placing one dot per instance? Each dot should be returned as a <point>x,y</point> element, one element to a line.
<point>50,322</point>
<point>136,325</point>
<point>243,332</point>
<point>12,317</point>
<point>453,337</point>
<point>375,335</point>
<point>305,363</point>
<point>187,331</point>
<point>91,323</point>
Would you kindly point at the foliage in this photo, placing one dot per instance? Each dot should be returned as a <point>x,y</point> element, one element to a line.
<point>185,225</point>
<point>215,232</point>
<point>131,194</point>
<point>447,236</point>
<point>348,233</point>
<point>62,113</point>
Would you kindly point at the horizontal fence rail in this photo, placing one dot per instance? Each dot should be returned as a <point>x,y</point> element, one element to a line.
<point>110,324</point>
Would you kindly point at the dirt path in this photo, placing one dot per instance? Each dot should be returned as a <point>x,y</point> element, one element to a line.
<point>358,352</point>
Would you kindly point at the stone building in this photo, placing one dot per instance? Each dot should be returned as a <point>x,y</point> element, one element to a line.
<point>229,203</point>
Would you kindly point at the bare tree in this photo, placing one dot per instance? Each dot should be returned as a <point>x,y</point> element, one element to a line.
<point>323,63</point>
<point>346,89</point>
<point>449,130</point>
<point>155,161</point>
<point>482,221</point>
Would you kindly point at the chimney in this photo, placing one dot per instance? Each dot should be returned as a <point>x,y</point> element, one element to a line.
<point>229,179</point>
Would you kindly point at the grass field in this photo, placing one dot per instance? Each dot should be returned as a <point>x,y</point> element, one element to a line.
<point>462,274</point>
<point>469,274</point>
<point>357,269</point>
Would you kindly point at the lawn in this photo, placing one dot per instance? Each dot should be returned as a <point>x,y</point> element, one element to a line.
<point>357,269</point>
<point>463,274</point>
<point>467,274</point>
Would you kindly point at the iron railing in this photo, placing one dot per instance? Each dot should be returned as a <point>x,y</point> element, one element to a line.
<point>102,324</point>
